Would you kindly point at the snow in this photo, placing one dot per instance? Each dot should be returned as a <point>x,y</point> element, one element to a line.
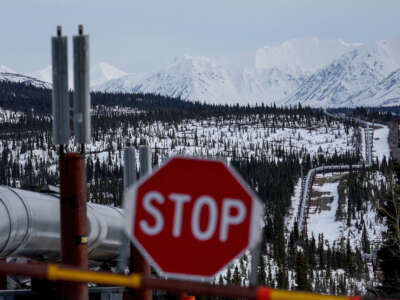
<point>302,56</point>
<point>310,71</point>
<point>324,221</point>
<point>247,136</point>
<point>14,77</point>
<point>384,93</point>
<point>99,73</point>
<point>44,74</point>
<point>294,207</point>
<point>102,72</point>
<point>380,143</point>
<point>5,69</point>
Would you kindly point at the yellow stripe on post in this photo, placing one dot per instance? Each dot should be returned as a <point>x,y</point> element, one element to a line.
<point>286,295</point>
<point>56,273</point>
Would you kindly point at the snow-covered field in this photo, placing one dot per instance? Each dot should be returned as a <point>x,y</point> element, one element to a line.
<point>253,136</point>
<point>381,145</point>
<point>322,218</point>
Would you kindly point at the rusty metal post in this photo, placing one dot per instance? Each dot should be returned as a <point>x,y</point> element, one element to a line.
<point>3,278</point>
<point>138,263</point>
<point>74,250</point>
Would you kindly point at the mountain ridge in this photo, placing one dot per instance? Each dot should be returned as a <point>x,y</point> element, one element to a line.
<point>310,71</point>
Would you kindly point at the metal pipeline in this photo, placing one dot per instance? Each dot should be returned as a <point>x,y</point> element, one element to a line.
<point>30,227</point>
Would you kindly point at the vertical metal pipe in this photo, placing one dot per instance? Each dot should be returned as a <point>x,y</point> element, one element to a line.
<point>138,262</point>
<point>129,179</point>
<point>81,88</point>
<point>60,98</point>
<point>129,166</point>
<point>74,250</point>
<point>145,160</point>
<point>255,262</point>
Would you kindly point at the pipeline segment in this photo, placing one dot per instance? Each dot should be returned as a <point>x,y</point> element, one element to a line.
<point>306,193</point>
<point>30,226</point>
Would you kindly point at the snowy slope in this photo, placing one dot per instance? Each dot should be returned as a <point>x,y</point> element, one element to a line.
<point>351,74</point>
<point>99,73</point>
<point>124,84</point>
<point>43,74</point>
<point>384,93</point>
<point>266,85</point>
<point>188,77</point>
<point>204,79</point>
<point>322,214</point>
<point>5,69</point>
<point>310,71</point>
<point>103,72</point>
<point>302,56</point>
<point>14,77</point>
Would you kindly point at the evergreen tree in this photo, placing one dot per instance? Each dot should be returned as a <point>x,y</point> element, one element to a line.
<point>389,254</point>
<point>236,278</point>
<point>365,242</point>
<point>301,273</point>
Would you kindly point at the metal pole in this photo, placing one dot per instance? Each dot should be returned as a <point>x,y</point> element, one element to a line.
<point>129,179</point>
<point>138,262</point>
<point>145,160</point>
<point>53,272</point>
<point>81,89</point>
<point>74,250</point>
<point>3,277</point>
<point>255,262</point>
<point>60,98</point>
<point>129,166</point>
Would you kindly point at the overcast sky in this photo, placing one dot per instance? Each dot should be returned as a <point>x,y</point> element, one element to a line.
<point>139,36</point>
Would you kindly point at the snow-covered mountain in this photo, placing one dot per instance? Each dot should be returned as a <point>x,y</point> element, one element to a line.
<point>384,93</point>
<point>266,85</point>
<point>188,77</point>
<point>43,74</point>
<point>196,78</point>
<point>205,79</point>
<point>103,72</point>
<point>99,73</point>
<point>351,74</point>
<point>308,70</point>
<point>302,56</point>
<point>5,69</point>
<point>15,77</point>
<point>122,84</point>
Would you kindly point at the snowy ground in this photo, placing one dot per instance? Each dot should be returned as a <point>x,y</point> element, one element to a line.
<point>323,220</point>
<point>254,136</point>
<point>294,208</point>
<point>381,145</point>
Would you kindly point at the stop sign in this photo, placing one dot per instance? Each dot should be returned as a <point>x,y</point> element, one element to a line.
<point>191,217</point>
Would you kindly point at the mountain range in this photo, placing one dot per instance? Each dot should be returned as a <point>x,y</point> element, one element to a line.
<point>99,74</point>
<point>310,71</point>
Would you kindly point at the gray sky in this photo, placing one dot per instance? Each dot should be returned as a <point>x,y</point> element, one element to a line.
<point>139,36</point>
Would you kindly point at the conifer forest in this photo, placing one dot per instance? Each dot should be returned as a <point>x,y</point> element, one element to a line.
<point>350,242</point>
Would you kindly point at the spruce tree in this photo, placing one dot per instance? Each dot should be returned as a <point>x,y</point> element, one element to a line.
<point>389,254</point>
<point>301,273</point>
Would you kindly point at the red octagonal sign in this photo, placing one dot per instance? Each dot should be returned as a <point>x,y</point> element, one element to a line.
<point>191,217</point>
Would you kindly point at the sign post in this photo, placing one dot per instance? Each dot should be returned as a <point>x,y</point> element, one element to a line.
<point>192,217</point>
